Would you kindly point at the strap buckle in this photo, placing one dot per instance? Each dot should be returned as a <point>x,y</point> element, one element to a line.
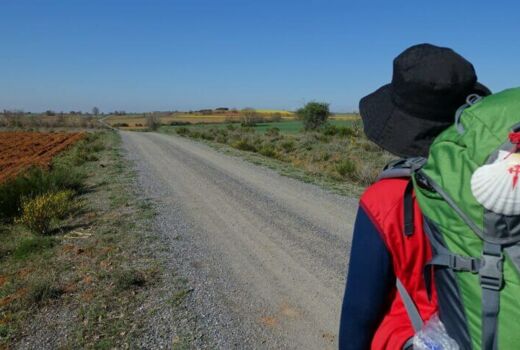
<point>459,263</point>
<point>491,271</point>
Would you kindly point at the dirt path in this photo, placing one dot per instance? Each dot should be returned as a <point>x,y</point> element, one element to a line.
<point>266,255</point>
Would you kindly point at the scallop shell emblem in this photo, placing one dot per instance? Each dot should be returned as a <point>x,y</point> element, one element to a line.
<point>497,185</point>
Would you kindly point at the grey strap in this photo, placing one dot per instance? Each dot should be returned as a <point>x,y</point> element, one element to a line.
<point>410,307</point>
<point>470,101</point>
<point>393,173</point>
<point>491,281</point>
<point>450,260</point>
<point>514,254</point>
<point>456,262</point>
<point>402,168</point>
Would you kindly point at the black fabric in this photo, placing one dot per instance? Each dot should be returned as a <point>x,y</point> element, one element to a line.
<point>429,84</point>
<point>408,209</point>
<point>370,284</point>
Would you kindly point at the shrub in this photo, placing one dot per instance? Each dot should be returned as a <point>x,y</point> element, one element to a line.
<point>346,168</point>
<point>39,212</point>
<point>207,135</point>
<point>34,182</point>
<point>273,132</point>
<point>330,130</point>
<point>345,131</point>
<point>268,151</point>
<point>288,146</point>
<point>231,127</point>
<point>249,117</point>
<point>182,131</point>
<point>152,121</point>
<point>244,145</point>
<point>221,138</point>
<point>314,115</point>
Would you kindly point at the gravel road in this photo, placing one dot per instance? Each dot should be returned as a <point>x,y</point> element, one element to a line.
<point>266,255</point>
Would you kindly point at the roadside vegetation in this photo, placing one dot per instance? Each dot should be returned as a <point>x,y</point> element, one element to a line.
<point>49,120</point>
<point>338,152</point>
<point>74,266</point>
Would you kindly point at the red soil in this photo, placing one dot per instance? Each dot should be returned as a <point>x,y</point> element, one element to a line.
<point>20,150</point>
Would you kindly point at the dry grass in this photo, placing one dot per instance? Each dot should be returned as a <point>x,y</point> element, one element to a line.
<point>340,153</point>
<point>40,121</point>
<point>93,268</point>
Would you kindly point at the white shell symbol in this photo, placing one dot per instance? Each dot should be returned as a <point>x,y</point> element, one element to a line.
<point>497,186</point>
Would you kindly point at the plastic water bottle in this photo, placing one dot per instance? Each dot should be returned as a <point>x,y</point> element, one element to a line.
<point>433,336</point>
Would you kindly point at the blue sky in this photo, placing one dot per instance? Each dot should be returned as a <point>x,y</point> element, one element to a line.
<point>190,54</point>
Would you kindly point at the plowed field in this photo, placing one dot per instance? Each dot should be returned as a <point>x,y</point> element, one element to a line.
<point>20,150</point>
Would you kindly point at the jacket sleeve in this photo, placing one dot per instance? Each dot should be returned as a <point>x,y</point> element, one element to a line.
<point>370,283</point>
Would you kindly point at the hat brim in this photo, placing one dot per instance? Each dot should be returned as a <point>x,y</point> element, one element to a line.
<point>397,131</point>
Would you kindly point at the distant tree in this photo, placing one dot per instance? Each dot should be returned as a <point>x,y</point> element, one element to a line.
<point>249,117</point>
<point>152,121</point>
<point>95,111</point>
<point>314,114</point>
<point>50,113</point>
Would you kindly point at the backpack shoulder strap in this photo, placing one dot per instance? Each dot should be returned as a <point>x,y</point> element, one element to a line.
<point>405,168</point>
<point>402,168</point>
<point>411,309</point>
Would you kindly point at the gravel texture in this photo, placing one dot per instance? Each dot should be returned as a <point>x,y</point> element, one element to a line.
<point>264,256</point>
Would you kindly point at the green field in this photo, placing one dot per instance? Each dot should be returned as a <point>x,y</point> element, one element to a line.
<point>295,126</point>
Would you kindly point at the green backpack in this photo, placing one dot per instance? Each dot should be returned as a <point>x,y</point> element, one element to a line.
<point>476,252</point>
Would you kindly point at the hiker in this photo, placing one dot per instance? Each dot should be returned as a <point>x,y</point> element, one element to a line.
<point>390,248</point>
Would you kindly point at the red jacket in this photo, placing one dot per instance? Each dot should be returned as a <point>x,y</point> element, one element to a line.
<point>383,202</point>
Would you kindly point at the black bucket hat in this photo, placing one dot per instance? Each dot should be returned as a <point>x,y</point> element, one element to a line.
<point>429,84</point>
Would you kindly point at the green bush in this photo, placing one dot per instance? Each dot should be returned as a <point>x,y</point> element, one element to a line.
<point>330,130</point>
<point>34,182</point>
<point>38,213</point>
<point>288,146</point>
<point>314,115</point>
<point>345,131</point>
<point>268,151</point>
<point>207,135</point>
<point>182,131</point>
<point>244,145</point>
<point>273,132</point>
